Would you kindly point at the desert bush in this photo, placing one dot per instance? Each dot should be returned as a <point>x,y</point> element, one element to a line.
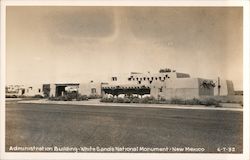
<point>22,96</point>
<point>10,96</point>
<point>94,96</point>
<point>108,100</point>
<point>135,100</point>
<point>126,100</point>
<point>193,101</point>
<point>37,96</point>
<point>82,98</point>
<point>148,100</point>
<point>177,101</point>
<point>210,102</point>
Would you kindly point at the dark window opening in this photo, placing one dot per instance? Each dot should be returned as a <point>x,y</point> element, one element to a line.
<point>114,78</point>
<point>160,89</point>
<point>93,90</point>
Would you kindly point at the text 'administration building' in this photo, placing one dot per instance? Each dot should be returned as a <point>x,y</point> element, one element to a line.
<point>166,84</point>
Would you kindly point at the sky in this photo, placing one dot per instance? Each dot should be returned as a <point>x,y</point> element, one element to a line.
<point>79,44</point>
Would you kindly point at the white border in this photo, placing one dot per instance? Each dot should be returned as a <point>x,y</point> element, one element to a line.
<point>179,156</point>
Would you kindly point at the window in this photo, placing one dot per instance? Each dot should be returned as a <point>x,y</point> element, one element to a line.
<point>144,78</point>
<point>159,78</point>
<point>93,90</point>
<point>39,90</point>
<point>114,78</point>
<point>156,78</point>
<point>160,89</point>
<point>129,79</point>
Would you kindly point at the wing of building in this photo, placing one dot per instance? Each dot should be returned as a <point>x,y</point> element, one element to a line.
<point>166,84</point>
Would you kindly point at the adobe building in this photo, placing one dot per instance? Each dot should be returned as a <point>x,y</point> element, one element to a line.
<point>23,90</point>
<point>59,89</point>
<point>166,84</point>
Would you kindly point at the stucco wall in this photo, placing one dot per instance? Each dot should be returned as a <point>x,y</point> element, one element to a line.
<point>85,88</point>
<point>184,88</point>
<point>230,87</point>
<point>223,88</point>
<point>205,90</point>
<point>52,90</point>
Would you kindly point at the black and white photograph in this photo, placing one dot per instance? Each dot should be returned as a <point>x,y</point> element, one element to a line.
<point>124,79</point>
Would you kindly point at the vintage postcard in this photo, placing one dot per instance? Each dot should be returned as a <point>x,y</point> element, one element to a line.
<point>127,80</point>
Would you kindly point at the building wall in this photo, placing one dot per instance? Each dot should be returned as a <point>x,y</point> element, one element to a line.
<point>90,88</point>
<point>24,90</point>
<point>52,90</point>
<point>230,87</point>
<point>207,90</point>
<point>223,88</point>
<point>184,88</point>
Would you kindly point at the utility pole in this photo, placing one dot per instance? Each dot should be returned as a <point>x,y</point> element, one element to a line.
<point>219,86</point>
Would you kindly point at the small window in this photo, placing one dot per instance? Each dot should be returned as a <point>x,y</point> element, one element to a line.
<point>156,78</point>
<point>129,79</point>
<point>93,90</point>
<point>160,89</point>
<point>114,78</point>
<point>159,78</point>
<point>144,78</point>
<point>39,90</point>
<point>139,82</point>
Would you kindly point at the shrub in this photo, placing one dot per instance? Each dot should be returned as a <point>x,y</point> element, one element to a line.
<point>193,101</point>
<point>22,96</point>
<point>118,100</point>
<point>210,102</point>
<point>94,96</point>
<point>126,100</point>
<point>148,100</point>
<point>108,100</point>
<point>82,98</point>
<point>37,96</point>
<point>177,101</point>
<point>11,96</point>
<point>135,100</point>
